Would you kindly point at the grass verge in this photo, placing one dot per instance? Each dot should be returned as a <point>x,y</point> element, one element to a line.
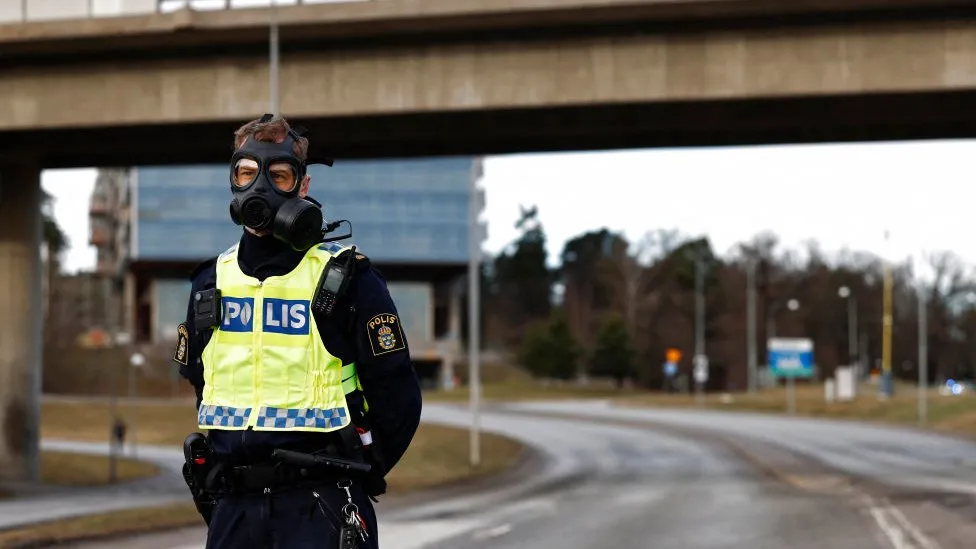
<point>128,521</point>
<point>166,424</point>
<point>71,469</point>
<point>955,414</point>
<point>438,456</point>
<point>528,390</point>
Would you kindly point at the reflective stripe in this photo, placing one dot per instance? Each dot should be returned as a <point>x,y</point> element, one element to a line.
<point>350,381</point>
<point>351,384</point>
<point>287,418</point>
<point>223,416</point>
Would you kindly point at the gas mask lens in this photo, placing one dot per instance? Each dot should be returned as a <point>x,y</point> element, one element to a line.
<point>245,171</point>
<point>283,176</point>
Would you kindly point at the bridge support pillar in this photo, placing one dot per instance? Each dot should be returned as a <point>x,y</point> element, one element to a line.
<point>20,321</point>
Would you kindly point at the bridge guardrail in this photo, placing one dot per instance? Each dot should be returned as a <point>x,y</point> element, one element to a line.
<point>29,11</point>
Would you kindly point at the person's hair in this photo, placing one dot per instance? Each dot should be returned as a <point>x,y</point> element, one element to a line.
<point>272,131</point>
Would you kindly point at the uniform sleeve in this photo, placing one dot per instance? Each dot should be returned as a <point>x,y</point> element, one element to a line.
<point>385,370</point>
<point>189,344</point>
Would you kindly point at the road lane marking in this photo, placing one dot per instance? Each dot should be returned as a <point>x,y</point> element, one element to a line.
<point>924,542</point>
<point>490,533</point>
<point>896,527</point>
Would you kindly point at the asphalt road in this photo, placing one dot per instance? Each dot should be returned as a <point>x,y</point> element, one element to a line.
<point>623,486</point>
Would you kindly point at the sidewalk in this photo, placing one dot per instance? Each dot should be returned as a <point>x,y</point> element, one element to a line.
<point>45,503</point>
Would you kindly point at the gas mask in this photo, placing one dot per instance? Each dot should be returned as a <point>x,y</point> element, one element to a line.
<point>265,180</point>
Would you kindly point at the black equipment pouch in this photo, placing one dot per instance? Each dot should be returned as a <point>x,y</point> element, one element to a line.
<point>206,309</point>
<point>334,283</point>
<point>197,473</point>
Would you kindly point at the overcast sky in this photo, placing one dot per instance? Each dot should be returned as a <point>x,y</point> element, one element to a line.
<point>840,195</point>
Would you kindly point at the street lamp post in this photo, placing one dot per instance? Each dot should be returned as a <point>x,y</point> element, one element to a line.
<point>273,61</point>
<point>792,305</point>
<point>474,319</point>
<point>751,324</point>
<point>923,356</point>
<point>845,293</point>
<point>887,322</point>
<point>701,365</point>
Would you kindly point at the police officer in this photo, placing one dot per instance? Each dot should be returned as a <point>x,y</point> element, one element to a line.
<point>293,344</point>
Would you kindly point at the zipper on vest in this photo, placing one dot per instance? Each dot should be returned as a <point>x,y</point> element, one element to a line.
<point>258,345</point>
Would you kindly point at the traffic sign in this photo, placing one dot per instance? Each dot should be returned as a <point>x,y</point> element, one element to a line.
<point>672,356</point>
<point>670,369</point>
<point>701,368</point>
<point>790,357</point>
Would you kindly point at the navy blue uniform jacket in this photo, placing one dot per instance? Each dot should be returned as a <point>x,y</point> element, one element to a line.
<point>389,382</point>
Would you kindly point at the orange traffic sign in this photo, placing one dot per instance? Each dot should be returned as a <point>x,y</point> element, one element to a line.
<point>673,356</point>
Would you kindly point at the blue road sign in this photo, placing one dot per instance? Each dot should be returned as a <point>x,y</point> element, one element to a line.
<point>670,369</point>
<point>790,357</point>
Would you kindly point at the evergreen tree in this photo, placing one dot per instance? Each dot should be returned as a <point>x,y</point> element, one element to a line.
<point>549,349</point>
<point>564,351</point>
<point>613,353</point>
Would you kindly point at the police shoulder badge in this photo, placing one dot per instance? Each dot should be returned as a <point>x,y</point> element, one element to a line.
<point>182,339</point>
<point>385,334</point>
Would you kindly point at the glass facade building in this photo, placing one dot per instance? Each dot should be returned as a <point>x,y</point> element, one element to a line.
<point>402,211</point>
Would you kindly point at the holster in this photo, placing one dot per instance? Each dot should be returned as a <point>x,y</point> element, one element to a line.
<point>198,473</point>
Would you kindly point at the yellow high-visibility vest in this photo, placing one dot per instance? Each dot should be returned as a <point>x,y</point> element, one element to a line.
<point>266,367</point>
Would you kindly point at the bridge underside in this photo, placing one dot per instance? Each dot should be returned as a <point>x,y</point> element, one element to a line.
<point>672,124</point>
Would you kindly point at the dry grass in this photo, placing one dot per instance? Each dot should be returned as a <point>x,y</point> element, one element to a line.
<point>129,521</point>
<point>166,424</point>
<point>955,414</point>
<point>71,469</point>
<point>952,414</point>
<point>528,390</point>
<point>438,456</point>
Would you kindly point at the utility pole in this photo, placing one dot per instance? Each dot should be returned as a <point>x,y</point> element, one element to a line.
<point>923,356</point>
<point>273,61</point>
<point>852,330</point>
<point>474,316</point>
<point>845,293</point>
<point>751,324</point>
<point>887,321</point>
<point>701,361</point>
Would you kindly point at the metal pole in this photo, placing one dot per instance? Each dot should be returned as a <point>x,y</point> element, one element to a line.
<point>113,414</point>
<point>791,395</point>
<point>274,60</point>
<point>852,329</point>
<point>133,394</point>
<point>751,324</point>
<point>474,315</point>
<point>923,356</point>
<point>887,320</point>
<point>699,318</point>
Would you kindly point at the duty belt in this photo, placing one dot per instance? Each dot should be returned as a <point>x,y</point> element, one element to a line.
<point>259,478</point>
<point>293,469</point>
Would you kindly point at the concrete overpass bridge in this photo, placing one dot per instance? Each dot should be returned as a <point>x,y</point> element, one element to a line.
<point>430,77</point>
